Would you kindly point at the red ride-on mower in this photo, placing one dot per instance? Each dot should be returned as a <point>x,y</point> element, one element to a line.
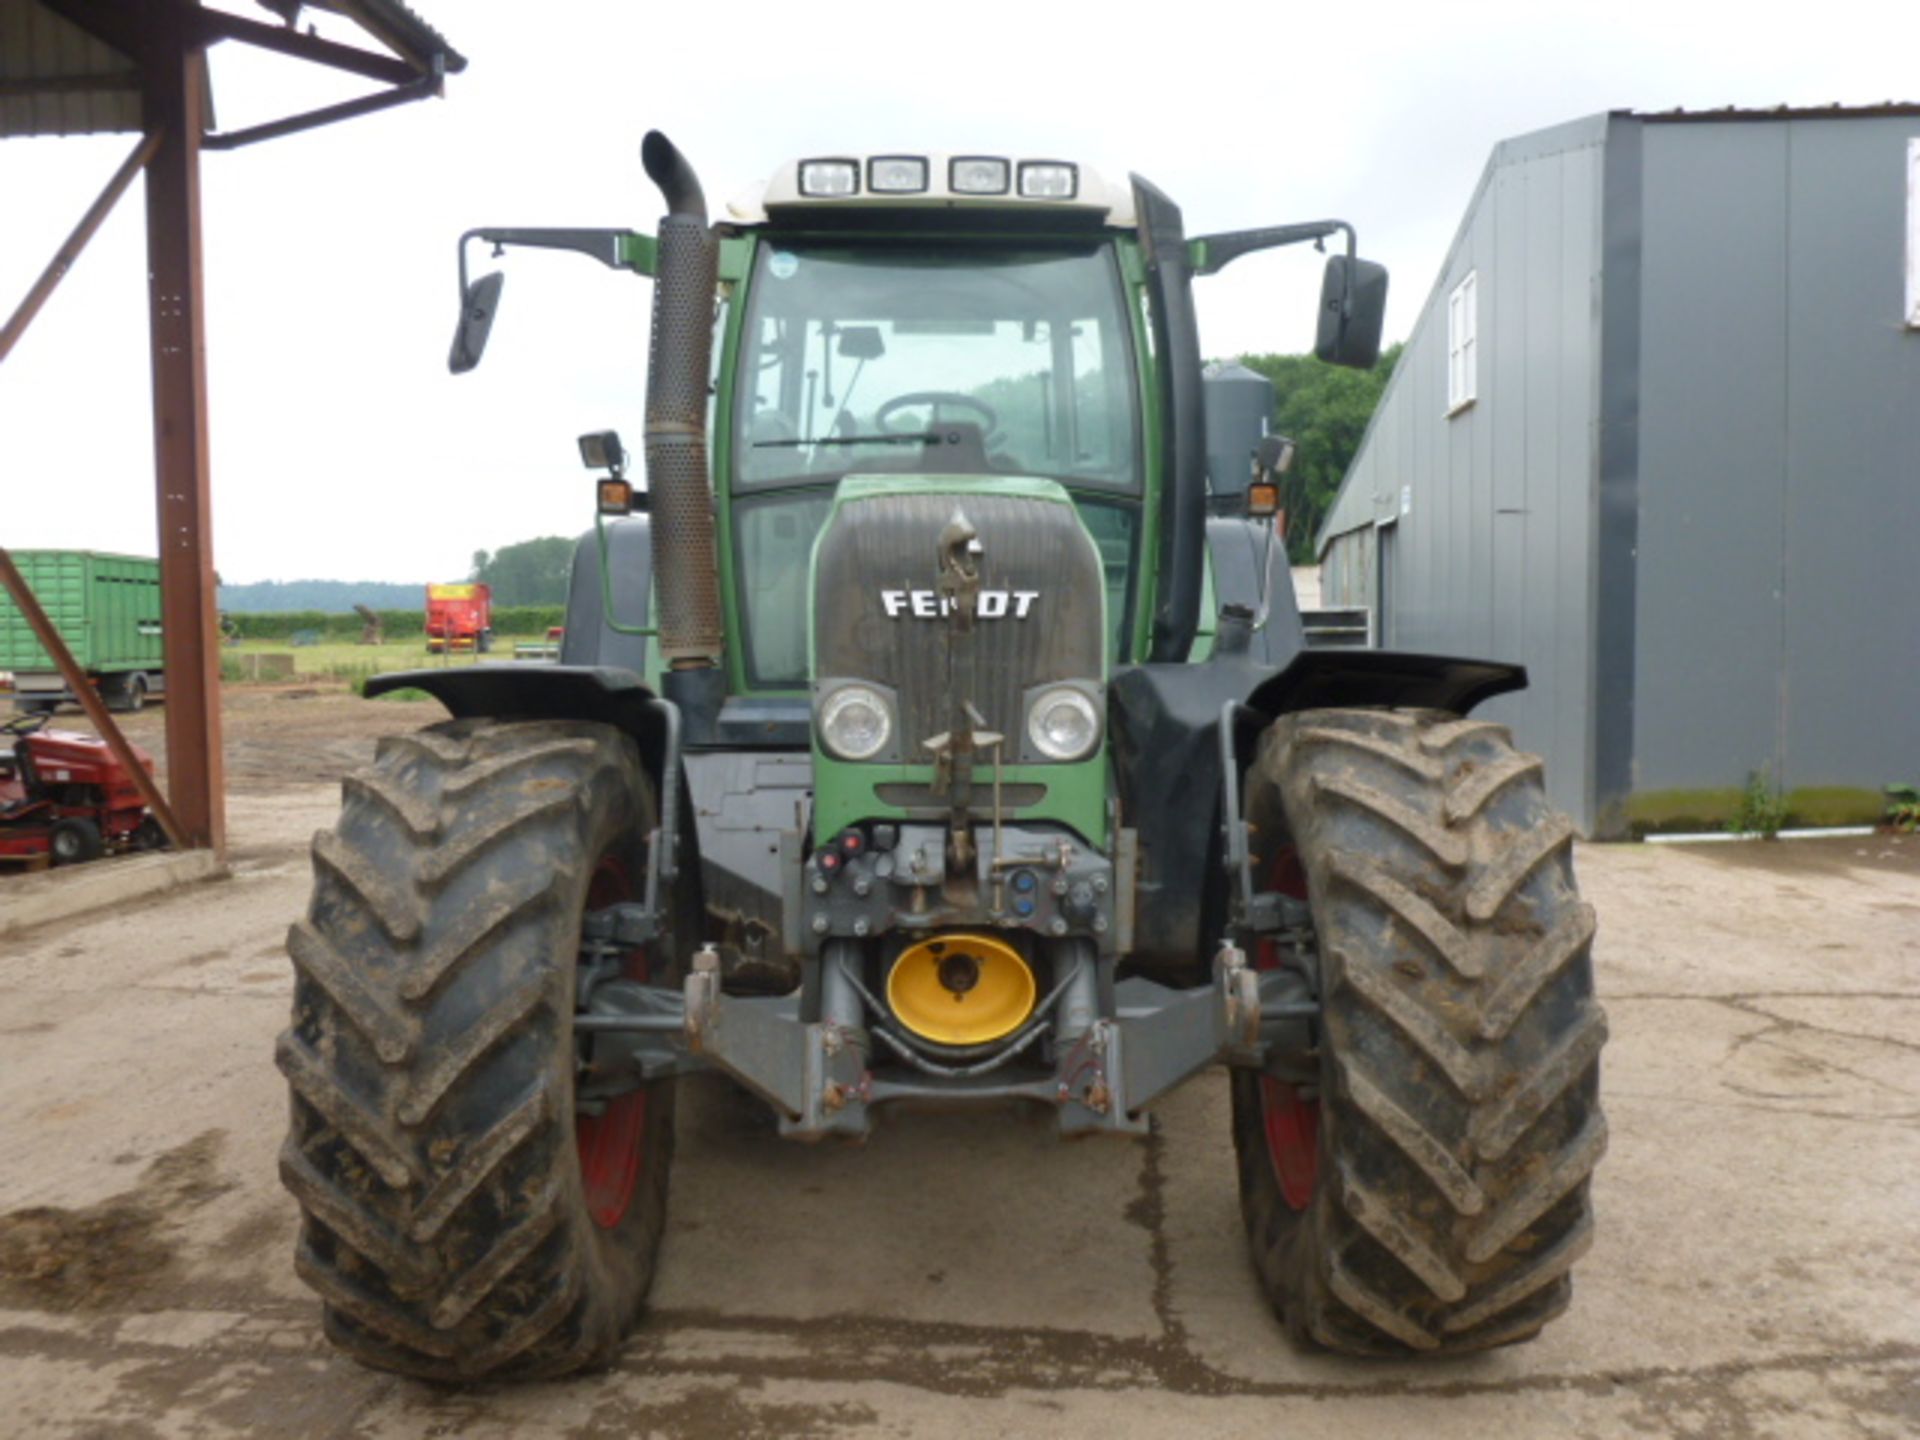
<point>65,796</point>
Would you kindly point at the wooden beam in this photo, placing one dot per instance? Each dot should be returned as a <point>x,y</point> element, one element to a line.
<point>64,257</point>
<point>210,26</point>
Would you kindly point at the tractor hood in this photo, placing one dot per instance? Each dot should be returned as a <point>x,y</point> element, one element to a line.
<point>882,619</point>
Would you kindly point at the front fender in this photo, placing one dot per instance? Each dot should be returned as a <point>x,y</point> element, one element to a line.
<point>1166,752</point>
<point>605,694</point>
<point>1320,679</point>
<point>506,691</point>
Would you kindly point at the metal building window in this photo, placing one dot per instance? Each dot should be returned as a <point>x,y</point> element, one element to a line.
<point>1913,233</point>
<point>1463,347</point>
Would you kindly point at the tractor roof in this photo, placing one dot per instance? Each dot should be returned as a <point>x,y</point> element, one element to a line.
<point>934,180</point>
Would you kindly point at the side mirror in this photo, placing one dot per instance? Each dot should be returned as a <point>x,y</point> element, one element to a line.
<point>1353,308</point>
<point>478,303</point>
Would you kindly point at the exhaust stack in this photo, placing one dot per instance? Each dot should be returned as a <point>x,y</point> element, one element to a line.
<point>680,355</point>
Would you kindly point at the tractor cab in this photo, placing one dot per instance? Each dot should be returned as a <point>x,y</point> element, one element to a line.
<point>991,341</point>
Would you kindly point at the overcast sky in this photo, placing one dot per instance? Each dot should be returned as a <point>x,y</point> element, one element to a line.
<point>343,449</point>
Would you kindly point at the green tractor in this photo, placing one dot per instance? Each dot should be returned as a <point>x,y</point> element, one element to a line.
<point>935,726</point>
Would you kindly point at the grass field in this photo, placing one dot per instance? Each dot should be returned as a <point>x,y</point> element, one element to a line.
<point>349,662</point>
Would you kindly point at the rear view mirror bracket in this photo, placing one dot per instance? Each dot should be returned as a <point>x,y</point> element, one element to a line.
<point>1210,254</point>
<point>480,299</point>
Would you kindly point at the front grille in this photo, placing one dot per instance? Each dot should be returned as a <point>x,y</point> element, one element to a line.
<point>880,554</point>
<point>1014,795</point>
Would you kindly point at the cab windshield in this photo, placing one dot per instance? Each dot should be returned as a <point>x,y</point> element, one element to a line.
<point>876,358</point>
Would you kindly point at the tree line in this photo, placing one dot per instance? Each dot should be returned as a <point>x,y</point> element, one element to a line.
<point>394,624</point>
<point>533,572</point>
<point>330,596</point>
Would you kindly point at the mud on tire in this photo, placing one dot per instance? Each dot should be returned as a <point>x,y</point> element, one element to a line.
<point>446,1224</point>
<point>1458,1116</point>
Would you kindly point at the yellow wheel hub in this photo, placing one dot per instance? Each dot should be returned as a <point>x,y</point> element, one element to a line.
<point>961,989</point>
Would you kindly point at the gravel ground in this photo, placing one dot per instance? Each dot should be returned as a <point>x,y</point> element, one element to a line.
<point>1757,1271</point>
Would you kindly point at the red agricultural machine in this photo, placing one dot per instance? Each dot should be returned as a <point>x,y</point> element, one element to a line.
<point>64,796</point>
<point>459,617</point>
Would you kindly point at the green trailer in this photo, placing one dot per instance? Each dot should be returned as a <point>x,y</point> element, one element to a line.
<point>107,609</point>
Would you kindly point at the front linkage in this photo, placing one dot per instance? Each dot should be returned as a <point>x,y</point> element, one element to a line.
<point>1107,1068</point>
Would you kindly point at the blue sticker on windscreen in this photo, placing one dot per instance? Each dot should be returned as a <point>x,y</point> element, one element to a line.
<point>782,263</point>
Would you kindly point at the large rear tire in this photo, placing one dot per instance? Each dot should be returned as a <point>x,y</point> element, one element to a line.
<point>1432,1196</point>
<point>460,1221</point>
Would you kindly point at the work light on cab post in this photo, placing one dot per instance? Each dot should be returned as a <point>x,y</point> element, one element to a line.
<point>613,493</point>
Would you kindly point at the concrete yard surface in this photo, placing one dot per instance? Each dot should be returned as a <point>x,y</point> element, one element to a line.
<point>43,897</point>
<point>1756,1272</point>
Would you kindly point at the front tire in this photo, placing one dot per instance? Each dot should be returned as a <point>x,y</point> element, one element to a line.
<point>460,1221</point>
<point>74,841</point>
<point>1432,1196</point>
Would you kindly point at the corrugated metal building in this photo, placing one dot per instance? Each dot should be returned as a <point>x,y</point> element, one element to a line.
<point>1656,436</point>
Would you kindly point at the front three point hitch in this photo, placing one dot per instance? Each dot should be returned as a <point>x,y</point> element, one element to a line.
<point>1105,1069</point>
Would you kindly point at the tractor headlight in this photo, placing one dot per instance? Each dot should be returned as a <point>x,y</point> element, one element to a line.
<point>856,722</point>
<point>1062,724</point>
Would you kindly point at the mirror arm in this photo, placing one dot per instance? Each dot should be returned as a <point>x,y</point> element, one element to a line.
<point>615,249</point>
<point>1213,253</point>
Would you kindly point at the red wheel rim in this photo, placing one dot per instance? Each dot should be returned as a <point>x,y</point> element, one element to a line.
<point>1292,1127</point>
<point>1290,1121</point>
<point>610,1143</point>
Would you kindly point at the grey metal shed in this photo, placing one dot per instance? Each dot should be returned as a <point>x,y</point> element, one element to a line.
<point>1656,435</point>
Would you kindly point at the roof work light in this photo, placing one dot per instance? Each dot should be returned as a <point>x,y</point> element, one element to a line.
<point>978,175</point>
<point>829,178</point>
<point>897,175</point>
<point>1049,180</point>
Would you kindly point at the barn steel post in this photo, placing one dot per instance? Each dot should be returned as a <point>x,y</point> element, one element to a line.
<point>174,87</point>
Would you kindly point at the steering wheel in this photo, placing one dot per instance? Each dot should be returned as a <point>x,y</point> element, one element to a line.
<point>26,723</point>
<point>990,418</point>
